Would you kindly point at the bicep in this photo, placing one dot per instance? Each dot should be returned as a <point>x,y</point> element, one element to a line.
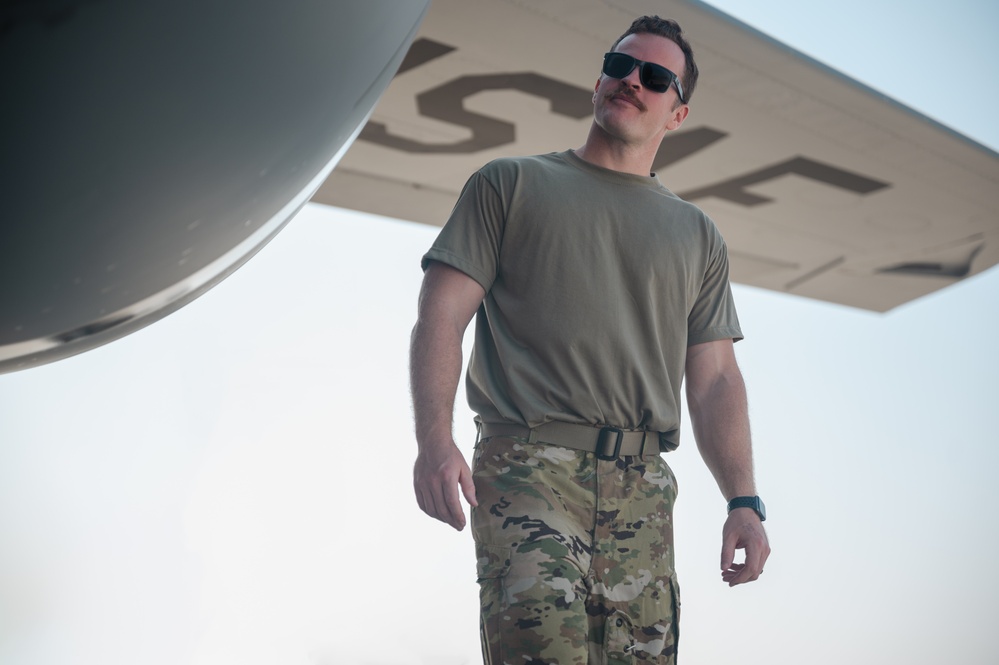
<point>450,295</point>
<point>708,362</point>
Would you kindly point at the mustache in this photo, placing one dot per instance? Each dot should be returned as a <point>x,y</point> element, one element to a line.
<point>627,93</point>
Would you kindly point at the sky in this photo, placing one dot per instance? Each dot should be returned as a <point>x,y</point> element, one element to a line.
<point>232,484</point>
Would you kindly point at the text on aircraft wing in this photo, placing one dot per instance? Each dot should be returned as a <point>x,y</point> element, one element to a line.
<point>821,186</point>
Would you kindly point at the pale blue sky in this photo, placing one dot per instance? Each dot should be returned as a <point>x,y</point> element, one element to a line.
<point>232,484</point>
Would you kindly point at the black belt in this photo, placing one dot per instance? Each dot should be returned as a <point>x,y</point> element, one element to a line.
<point>608,443</point>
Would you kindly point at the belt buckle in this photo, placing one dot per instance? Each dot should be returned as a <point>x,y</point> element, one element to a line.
<point>606,443</point>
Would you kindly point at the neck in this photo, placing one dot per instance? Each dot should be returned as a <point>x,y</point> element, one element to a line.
<point>602,150</point>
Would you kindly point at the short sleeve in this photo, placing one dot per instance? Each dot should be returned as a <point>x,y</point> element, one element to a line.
<point>713,316</point>
<point>471,239</point>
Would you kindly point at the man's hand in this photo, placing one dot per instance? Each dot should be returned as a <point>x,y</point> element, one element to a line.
<point>743,531</point>
<point>438,473</point>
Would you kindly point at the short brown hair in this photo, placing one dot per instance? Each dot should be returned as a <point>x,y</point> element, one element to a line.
<point>671,30</point>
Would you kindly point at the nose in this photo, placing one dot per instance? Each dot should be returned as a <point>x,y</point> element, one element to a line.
<point>633,79</point>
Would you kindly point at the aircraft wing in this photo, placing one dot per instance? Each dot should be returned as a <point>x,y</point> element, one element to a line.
<point>821,186</point>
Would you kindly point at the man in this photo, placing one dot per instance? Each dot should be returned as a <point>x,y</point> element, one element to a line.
<point>597,292</point>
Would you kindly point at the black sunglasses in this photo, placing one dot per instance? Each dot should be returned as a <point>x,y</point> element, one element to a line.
<point>654,77</point>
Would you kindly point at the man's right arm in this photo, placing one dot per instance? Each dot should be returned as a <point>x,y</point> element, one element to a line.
<point>448,300</point>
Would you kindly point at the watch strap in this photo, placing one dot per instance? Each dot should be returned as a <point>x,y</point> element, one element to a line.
<point>753,502</point>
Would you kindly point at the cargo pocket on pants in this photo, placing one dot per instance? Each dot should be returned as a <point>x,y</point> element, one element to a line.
<point>491,566</point>
<point>492,562</point>
<point>625,645</point>
<point>675,587</point>
<point>618,638</point>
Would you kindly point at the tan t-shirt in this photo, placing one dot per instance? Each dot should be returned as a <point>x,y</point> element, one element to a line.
<point>596,283</point>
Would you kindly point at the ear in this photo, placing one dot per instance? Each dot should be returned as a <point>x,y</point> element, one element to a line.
<point>676,119</point>
<point>596,87</point>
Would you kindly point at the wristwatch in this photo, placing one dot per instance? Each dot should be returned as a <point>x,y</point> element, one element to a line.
<point>754,502</point>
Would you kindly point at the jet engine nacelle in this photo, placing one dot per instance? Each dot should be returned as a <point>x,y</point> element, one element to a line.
<point>150,148</point>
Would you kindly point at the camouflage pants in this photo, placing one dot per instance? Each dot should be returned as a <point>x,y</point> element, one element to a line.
<point>574,556</point>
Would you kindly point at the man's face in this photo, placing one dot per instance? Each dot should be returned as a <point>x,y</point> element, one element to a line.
<point>628,111</point>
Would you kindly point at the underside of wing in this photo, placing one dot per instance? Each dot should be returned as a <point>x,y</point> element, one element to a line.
<point>821,186</point>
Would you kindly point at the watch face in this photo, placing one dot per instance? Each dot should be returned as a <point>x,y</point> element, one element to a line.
<point>760,509</point>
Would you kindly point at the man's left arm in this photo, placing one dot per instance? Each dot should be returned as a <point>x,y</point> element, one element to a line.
<point>716,397</point>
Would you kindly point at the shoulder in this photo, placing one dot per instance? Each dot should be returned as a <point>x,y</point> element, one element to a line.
<point>690,229</point>
<point>693,214</point>
<point>505,167</point>
<point>688,214</point>
<point>512,177</point>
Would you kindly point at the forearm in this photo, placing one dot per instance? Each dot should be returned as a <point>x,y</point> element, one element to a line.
<point>720,418</point>
<point>435,367</point>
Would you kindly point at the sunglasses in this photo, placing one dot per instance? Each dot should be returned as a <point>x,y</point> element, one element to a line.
<point>654,77</point>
